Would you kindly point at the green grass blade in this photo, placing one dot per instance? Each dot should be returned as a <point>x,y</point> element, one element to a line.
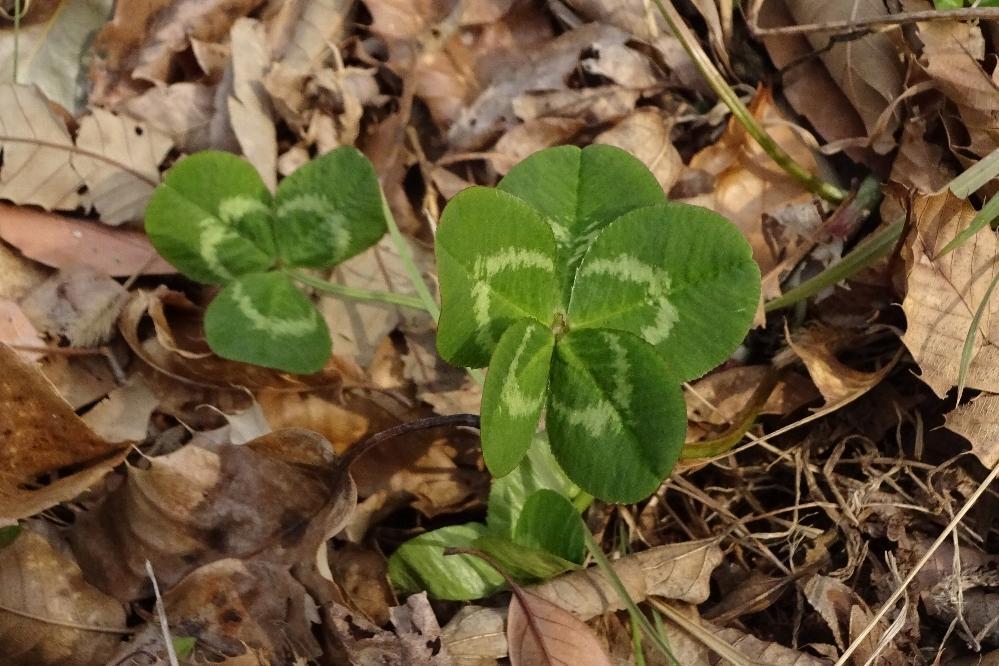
<point>969,340</point>
<point>988,213</point>
<point>976,175</point>
<point>873,248</point>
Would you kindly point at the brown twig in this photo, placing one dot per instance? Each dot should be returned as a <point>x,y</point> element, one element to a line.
<point>870,22</point>
<point>359,449</point>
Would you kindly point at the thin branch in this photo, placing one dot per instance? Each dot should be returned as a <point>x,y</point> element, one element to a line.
<point>4,138</point>
<point>454,420</point>
<point>869,23</point>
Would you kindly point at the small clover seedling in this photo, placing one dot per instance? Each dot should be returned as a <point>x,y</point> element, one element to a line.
<point>214,219</point>
<point>585,291</point>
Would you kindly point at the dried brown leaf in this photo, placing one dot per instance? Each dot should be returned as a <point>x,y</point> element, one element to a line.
<point>48,613</point>
<point>978,422</point>
<point>274,499</point>
<point>233,608</point>
<point>17,330</point>
<point>144,39</point>
<point>646,135</point>
<point>124,414</point>
<point>833,600</point>
<point>186,112</point>
<point>43,435</point>
<point>539,632</point>
<point>249,105</point>
<point>944,293</point>
<point>60,242</point>
<point>362,574</point>
<point>816,346</point>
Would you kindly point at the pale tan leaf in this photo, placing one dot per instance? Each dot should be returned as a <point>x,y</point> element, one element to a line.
<point>43,435</point>
<point>539,632</point>
<point>60,242</point>
<point>816,346</point>
<point>48,613</point>
<point>20,275</point>
<point>475,636</point>
<point>833,600</point>
<point>78,303</point>
<point>978,422</point>
<point>185,112</point>
<point>51,50</point>
<point>120,185</point>
<point>319,23</point>
<point>419,632</point>
<point>274,499</point>
<point>37,171</point>
<point>943,294</point>
<point>530,137</point>
<point>124,414</point>
<point>17,329</point>
<point>248,103</point>
<point>646,135</point>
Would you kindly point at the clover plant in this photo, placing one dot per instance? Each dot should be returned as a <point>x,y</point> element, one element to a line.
<point>215,220</point>
<point>590,297</point>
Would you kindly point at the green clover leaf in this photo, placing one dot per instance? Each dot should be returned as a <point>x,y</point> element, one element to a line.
<point>496,262</point>
<point>263,318</point>
<point>211,218</point>
<point>680,277</point>
<point>580,192</point>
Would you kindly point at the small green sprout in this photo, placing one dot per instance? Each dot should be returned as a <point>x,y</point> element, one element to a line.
<point>592,298</point>
<point>215,220</point>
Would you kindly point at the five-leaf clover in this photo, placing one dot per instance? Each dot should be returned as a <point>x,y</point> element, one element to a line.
<point>215,220</point>
<point>592,298</point>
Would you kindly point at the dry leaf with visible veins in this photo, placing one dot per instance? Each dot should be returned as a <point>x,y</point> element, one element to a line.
<point>48,613</point>
<point>273,499</point>
<point>646,135</point>
<point>539,632</point>
<point>42,435</point>
<point>816,346</point>
<point>943,294</point>
<point>978,422</point>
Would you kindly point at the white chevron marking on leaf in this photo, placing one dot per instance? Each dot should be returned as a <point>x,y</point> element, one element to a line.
<point>628,268</point>
<point>234,208</point>
<point>621,368</point>
<point>213,234</point>
<point>514,399</point>
<point>595,419</point>
<point>326,211</point>
<point>510,258</point>
<point>279,327</point>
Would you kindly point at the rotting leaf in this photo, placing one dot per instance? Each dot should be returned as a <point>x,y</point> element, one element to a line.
<point>273,499</point>
<point>49,614</point>
<point>42,435</point>
<point>943,294</point>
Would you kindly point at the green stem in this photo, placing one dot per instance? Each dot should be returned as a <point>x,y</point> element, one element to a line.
<point>355,293</point>
<point>717,82</point>
<point>874,247</point>
<point>415,277</point>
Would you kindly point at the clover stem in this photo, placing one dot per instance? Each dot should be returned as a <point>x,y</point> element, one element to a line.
<point>415,277</point>
<point>357,294</point>
<point>713,77</point>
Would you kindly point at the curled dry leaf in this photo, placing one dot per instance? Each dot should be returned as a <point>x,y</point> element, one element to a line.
<point>943,294</point>
<point>60,242</point>
<point>141,43</point>
<point>717,398</point>
<point>274,499</point>
<point>539,632</point>
<point>232,608</point>
<point>48,613</point>
<point>838,383</point>
<point>43,435</point>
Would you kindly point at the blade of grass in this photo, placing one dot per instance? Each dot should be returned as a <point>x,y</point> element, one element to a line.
<point>871,249</point>
<point>988,213</point>
<point>355,293</point>
<point>969,339</point>
<point>976,175</point>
